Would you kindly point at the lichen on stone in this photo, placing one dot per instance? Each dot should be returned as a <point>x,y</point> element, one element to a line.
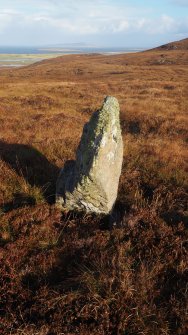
<point>95,176</point>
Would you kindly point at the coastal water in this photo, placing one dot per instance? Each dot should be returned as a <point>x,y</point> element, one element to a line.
<point>68,50</point>
<point>19,56</point>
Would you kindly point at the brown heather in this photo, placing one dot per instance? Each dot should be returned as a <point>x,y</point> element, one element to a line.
<point>82,274</point>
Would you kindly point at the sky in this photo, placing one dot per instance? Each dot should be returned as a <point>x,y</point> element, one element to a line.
<point>103,23</point>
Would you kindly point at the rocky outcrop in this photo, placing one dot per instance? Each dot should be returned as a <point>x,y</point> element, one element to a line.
<point>90,183</point>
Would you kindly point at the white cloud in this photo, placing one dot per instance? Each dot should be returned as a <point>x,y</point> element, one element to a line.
<point>162,25</point>
<point>84,17</point>
<point>93,23</point>
<point>122,26</point>
<point>36,20</point>
<point>166,24</point>
<point>4,21</point>
<point>6,17</point>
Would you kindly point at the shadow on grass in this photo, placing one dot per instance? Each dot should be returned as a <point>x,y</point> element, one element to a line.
<point>34,167</point>
<point>20,200</point>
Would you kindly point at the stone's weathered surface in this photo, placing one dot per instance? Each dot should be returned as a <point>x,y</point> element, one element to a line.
<point>91,182</point>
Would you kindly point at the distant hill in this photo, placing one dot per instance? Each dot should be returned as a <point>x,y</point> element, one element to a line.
<point>177,45</point>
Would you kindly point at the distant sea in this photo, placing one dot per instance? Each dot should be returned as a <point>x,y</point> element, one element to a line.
<point>19,56</point>
<point>67,50</point>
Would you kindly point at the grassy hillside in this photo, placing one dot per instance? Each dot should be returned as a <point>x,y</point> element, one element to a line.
<point>81,274</point>
<point>178,45</point>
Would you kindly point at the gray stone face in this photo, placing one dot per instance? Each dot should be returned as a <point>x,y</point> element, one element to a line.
<point>90,183</point>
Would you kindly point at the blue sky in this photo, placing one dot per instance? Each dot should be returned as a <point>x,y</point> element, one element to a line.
<point>131,23</point>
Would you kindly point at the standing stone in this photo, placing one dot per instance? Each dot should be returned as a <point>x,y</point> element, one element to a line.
<point>90,183</point>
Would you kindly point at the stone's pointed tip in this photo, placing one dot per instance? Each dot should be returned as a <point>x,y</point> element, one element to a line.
<point>111,101</point>
<point>109,98</point>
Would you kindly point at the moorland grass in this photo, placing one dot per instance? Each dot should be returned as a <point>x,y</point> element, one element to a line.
<point>81,274</point>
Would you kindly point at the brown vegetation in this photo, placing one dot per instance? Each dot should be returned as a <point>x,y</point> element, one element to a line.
<point>178,45</point>
<point>79,274</point>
